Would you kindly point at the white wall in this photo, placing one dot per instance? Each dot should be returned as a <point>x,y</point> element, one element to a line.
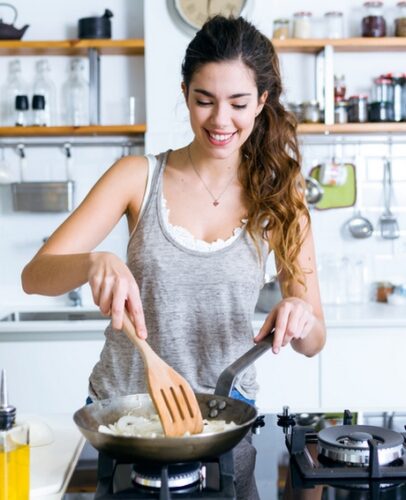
<point>168,124</point>
<point>21,234</point>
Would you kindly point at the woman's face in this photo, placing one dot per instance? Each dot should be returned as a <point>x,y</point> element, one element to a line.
<point>223,103</point>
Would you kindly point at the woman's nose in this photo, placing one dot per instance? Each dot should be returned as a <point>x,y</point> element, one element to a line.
<point>221,116</point>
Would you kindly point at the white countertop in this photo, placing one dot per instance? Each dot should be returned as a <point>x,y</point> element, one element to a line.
<point>52,465</point>
<point>372,314</point>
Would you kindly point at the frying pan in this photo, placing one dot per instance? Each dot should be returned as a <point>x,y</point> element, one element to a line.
<point>165,449</point>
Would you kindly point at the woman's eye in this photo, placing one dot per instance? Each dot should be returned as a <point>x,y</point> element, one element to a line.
<point>203,103</point>
<point>239,106</point>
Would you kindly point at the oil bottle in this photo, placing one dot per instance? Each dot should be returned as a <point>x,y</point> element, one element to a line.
<point>14,451</point>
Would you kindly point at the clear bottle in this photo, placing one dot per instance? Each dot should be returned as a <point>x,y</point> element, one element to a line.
<point>13,86</point>
<point>14,451</point>
<point>38,110</point>
<point>21,111</point>
<point>43,85</point>
<point>280,29</point>
<point>75,95</point>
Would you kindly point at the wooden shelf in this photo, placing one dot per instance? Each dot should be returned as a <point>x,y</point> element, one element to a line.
<point>359,44</point>
<point>132,47</point>
<point>352,128</point>
<point>72,131</point>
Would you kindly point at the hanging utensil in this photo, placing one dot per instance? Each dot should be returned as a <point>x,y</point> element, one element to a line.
<point>388,221</point>
<point>313,192</point>
<point>174,399</point>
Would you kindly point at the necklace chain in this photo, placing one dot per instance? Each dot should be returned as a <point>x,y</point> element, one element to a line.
<point>216,199</point>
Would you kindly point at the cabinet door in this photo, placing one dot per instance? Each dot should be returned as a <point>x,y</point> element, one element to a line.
<point>364,369</point>
<point>288,378</point>
<point>49,376</point>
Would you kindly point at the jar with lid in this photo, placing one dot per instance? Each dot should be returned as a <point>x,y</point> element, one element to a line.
<point>339,87</point>
<point>21,110</point>
<point>358,109</point>
<point>311,112</point>
<point>373,22</point>
<point>333,24</point>
<point>281,29</point>
<point>302,25</point>
<point>400,21</point>
<point>382,89</point>
<point>341,111</point>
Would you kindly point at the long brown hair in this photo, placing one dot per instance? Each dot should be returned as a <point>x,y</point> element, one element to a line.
<point>270,168</point>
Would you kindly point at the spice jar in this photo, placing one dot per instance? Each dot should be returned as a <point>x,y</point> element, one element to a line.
<point>333,23</point>
<point>381,111</point>
<point>280,29</point>
<point>339,87</point>
<point>400,21</point>
<point>311,112</point>
<point>341,111</point>
<point>383,290</point>
<point>373,22</point>
<point>302,25</point>
<point>382,89</point>
<point>358,109</point>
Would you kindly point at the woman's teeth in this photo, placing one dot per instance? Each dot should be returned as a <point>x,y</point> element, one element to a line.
<point>221,137</point>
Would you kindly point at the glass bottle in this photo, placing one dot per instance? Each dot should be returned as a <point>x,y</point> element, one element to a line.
<point>14,451</point>
<point>400,21</point>
<point>21,111</point>
<point>280,29</point>
<point>13,86</point>
<point>75,95</point>
<point>333,22</point>
<point>38,110</point>
<point>373,22</point>
<point>302,25</point>
<point>43,85</point>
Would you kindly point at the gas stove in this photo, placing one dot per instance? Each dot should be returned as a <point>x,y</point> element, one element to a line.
<point>343,461</point>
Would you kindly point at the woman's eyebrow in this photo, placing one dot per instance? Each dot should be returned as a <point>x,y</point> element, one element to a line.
<point>233,96</point>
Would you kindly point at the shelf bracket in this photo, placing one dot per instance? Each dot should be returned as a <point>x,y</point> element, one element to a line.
<point>94,86</point>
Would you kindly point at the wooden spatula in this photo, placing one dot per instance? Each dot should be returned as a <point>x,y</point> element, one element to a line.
<point>173,397</point>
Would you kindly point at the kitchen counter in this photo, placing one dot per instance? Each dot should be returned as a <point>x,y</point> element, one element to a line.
<point>52,465</point>
<point>372,314</point>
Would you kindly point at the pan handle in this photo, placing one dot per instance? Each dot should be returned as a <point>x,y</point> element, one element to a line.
<point>227,377</point>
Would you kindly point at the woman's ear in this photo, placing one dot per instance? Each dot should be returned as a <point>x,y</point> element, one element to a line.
<point>261,102</point>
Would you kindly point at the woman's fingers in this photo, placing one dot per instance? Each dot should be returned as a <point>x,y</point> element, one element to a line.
<point>266,327</point>
<point>134,307</point>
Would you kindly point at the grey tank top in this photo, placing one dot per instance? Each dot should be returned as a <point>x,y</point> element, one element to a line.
<point>198,307</point>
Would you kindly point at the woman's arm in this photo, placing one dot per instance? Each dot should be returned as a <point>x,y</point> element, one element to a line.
<point>66,260</point>
<point>298,318</point>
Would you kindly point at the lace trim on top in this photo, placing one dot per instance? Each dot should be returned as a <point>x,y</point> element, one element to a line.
<point>185,238</point>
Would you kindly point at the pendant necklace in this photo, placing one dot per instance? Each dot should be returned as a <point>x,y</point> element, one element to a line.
<point>216,199</point>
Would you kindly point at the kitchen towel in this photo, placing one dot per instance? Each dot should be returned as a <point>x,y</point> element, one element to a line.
<point>337,196</point>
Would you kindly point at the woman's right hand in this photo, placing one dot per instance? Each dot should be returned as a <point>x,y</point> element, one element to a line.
<point>114,289</point>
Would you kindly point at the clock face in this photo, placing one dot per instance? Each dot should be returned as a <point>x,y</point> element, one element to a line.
<point>194,13</point>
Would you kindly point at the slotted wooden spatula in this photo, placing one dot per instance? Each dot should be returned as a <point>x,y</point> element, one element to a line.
<point>173,397</point>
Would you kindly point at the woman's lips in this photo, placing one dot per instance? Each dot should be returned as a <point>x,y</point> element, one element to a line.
<point>220,139</point>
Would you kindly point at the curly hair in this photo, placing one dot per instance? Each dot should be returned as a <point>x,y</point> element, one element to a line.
<point>270,169</point>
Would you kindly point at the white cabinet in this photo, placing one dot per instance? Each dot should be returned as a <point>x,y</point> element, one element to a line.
<point>288,378</point>
<point>48,373</point>
<point>364,368</point>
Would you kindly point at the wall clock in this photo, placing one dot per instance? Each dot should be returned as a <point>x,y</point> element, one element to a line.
<point>190,15</point>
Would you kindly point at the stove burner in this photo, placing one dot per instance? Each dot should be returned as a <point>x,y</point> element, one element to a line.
<point>350,444</point>
<point>179,475</point>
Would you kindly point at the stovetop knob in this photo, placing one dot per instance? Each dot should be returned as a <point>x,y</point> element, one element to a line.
<point>258,424</point>
<point>286,419</point>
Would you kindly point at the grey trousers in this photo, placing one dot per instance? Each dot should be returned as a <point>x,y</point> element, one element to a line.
<point>244,464</point>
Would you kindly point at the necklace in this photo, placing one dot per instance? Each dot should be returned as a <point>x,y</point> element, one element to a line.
<point>216,199</point>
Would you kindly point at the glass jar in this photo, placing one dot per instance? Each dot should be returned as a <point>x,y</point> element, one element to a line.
<point>75,95</point>
<point>280,29</point>
<point>21,110</point>
<point>302,25</point>
<point>373,22</point>
<point>339,87</point>
<point>44,85</point>
<point>341,111</point>
<point>381,111</point>
<point>333,23</point>
<point>311,112</point>
<point>382,89</point>
<point>358,109</point>
<point>400,21</point>
<point>38,111</point>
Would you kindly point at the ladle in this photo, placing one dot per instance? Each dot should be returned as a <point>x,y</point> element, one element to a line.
<point>359,226</point>
<point>314,192</point>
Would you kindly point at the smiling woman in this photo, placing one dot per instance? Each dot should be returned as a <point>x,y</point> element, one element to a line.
<point>237,193</point>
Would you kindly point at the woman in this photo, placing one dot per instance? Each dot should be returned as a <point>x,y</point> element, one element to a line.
<point>202,221</point>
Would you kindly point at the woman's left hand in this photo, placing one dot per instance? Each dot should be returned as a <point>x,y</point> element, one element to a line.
<point>292,318</point>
